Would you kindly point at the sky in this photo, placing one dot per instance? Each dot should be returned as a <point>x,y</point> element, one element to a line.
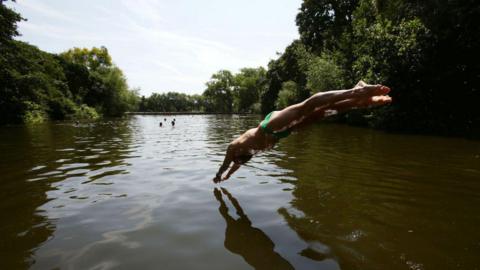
<point>165,45</point>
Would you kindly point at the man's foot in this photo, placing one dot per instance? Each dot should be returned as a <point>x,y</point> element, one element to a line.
<point>368,90</point>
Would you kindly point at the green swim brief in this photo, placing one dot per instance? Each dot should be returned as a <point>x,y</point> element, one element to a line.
<point>276,134</point>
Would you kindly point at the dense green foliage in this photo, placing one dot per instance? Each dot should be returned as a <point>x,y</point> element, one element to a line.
<point>225,93</point>
<point>8,23</point>
<point>248,85</point>
<point>218,95</point>
<point>287,95</point>
<point>36,85</point>
<point>93,80</point>
<point>426,51</point>
<point>171,102</point>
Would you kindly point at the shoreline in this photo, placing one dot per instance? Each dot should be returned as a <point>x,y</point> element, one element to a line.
<point>186,113</point>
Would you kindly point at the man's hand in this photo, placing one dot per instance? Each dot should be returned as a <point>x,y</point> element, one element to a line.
<point>217,179</point>
<point>226,163</point>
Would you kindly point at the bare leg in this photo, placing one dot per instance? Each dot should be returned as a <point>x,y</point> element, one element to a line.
<point>343,106</point>
<point>297,113</point>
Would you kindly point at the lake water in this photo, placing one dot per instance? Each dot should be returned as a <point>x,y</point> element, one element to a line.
<point>127,194</point>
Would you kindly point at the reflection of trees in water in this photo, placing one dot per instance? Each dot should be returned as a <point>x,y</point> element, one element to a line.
<point>32,164</point>
<point>327,206</point>
<point>241,238</point>
<point>365,195</point>
<point>23,228</point>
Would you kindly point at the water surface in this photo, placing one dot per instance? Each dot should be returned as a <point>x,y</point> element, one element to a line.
<point>127,194</point>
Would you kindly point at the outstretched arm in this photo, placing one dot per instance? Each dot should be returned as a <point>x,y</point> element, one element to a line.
<point>233,169</point>
<point>226,163</point>
<point>235,204</point>
<point>223,209</point>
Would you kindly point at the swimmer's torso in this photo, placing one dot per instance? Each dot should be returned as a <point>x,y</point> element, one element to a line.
<point>252,141</point>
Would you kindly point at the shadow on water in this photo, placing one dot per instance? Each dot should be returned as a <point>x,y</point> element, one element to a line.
<point>43,170</point>
<point>241,238</point>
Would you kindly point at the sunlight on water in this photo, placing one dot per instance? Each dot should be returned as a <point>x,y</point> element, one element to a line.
<point>132,194</point>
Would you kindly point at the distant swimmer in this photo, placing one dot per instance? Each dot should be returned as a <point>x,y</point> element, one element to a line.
<point>161,124</point>
<point>173,123</point>
<point>279,124</point>
<point>165,119</point>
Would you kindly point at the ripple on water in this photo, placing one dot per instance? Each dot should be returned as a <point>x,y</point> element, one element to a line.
<point>37,168</point>
<point>103,174</point>
<point>129,193</point>
<point>50,173</point>
<point>355,235</point>
<point>66,150</point>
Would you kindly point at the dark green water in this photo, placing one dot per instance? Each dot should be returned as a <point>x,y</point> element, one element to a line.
<point>128,194</point>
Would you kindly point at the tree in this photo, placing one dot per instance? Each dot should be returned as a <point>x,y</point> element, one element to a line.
<point>79,79</point>
<point>249,83</point>
<point>171,102</point>
<point>8,24</point>
<point>93,59</point>
<point>324,74</point>
<point>287,95</point>
<point>36,85</point>
<point>197,102</point>
<point>292,65</point>
<point>322,22</point>
<point>95,81</point>
<point>218,95</point>
<point>31,81</point>
<point>142,106</point>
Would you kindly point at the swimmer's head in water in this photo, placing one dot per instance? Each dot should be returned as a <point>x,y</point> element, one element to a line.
<point>242,159</point>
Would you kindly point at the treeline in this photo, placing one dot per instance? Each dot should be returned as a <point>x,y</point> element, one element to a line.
<point>77,84</point>
<point>426,51</point>
<point>225,93</point>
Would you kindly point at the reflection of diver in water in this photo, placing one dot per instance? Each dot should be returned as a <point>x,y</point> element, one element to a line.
<point>249,242</point>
